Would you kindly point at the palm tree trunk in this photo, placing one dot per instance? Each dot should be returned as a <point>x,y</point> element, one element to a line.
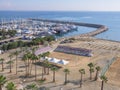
<point>31,67</point>
<point>65,78</point>
<point>102,85</point>
<point>2,66</point>
<point>42,72</point>
<point>35,71</point>
<point>10,67</point>
<point>53,76</point>
<point>81,80</point>
<point>48,71</point>
<point>96,77</point>
<point>90,75</point>
<point>16,64</point>
<point>0,87</point>
<point>25,69</point>
<point>28,67</point>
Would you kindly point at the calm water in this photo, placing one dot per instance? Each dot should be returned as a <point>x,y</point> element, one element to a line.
<point>110,19</point>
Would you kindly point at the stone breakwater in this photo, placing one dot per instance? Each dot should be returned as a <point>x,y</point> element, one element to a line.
<point>100,28</point>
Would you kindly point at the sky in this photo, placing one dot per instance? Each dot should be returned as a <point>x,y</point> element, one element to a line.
<point>60,5</point>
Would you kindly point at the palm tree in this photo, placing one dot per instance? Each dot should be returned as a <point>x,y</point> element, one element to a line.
<point>32,87</point>
<point>97,72</point>
<point>2,81</point>
<point>54,69</point>
<point>47,65</point>
<point>104,79</point>
<point>34,57</point>
<point>10,65</point>
<point>91,66</point>
<point>2,60</point>
<point>10,62</point>
<point>24,58</point>
<point>16,53</point>
<point>82,71</point>
<point>11,86</point>
<point>29,56</point>
<point>66,71</point>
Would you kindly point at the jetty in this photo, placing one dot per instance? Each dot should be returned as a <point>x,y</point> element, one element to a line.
<point>100,28</point>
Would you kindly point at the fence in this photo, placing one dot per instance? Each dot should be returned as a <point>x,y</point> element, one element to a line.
<point>107,66</point>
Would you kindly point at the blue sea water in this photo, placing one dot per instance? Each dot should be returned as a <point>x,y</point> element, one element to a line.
<point>110,19</point>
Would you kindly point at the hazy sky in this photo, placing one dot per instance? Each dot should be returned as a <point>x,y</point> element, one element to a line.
<point>61,5</point>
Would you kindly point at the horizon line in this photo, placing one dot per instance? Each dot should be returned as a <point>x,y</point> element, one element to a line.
<point>61,10</point>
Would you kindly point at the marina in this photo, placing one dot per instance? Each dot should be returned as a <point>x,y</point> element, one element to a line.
<point>29,29</point>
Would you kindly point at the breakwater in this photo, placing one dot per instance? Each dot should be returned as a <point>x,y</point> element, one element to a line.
<point>100,28</point>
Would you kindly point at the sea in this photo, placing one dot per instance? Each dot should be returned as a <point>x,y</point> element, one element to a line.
<point>110,19</point>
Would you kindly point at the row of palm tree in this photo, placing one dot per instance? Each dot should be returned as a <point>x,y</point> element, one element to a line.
<point>30,58</point>
<point>91,70</point>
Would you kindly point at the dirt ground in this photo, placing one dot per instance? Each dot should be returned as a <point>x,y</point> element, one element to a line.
<point>113,73</point>
<point>103,51</point>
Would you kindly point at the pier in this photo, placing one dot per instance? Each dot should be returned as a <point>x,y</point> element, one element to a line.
<point>100,28</point>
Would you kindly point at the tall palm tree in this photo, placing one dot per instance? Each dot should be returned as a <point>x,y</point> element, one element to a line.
<point>2,81</point>
<point>29,56</point>
<point>97,72</point>
<point>91,66</point>
<point>66,71</point>
<point>2,60</point>
<point>32,87</point>
<point>11,86</point>
<point>10,62</point>
<point>104,79</point>
<point>24,58</point>
<point>54,69</point>
<point>47,65</point>
<point>82,71</point>
<point>10,65</point>
<point>16,53</point>
<point>34,57</point>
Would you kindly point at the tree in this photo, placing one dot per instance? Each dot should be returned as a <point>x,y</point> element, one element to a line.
<point>32,87</point>
<point>2,81</point>
<point>66,71</point>
<point>11,86</point>
<point>16,53</point>
<point>82,71</point>
<point>34,57</point>
<point>97,72</point>
<point>46,65</point>
<point>24,58</point>
<point>54,69</point>
<point>91,66</point>
<point>104,79</point>
<point>2,60</point>
<point>10,62</point>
